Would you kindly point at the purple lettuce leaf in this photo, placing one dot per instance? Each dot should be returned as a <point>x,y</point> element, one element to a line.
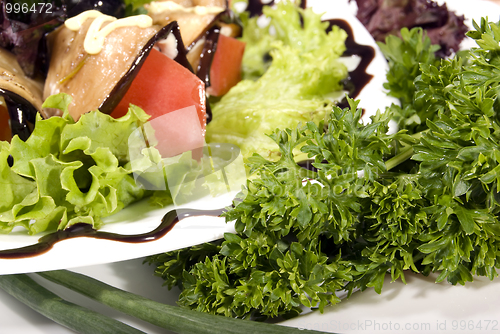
<point>386,17</point>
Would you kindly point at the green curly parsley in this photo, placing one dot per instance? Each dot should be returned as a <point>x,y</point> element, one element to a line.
<point>375,204</point>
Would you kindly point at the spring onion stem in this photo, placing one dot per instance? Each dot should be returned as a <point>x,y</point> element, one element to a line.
<point>169,317</point>
<point>80,319</point>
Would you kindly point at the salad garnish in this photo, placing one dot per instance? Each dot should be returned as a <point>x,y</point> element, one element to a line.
<point>68,172</point>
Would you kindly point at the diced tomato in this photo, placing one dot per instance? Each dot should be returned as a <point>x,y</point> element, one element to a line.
<point>5,132</point>
<point>172,94</point>
<point>177,132</point>
<point>226,65</point>
<point>174,97</point>
<point>162,86</point>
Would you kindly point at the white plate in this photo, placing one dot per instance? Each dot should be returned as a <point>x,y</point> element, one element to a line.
<point>138,218</point>
<point>422,306</point>
<point>141,218</point>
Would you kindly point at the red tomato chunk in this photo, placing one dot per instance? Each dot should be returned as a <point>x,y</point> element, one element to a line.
<point>226,65</point>
<point>162,86</point>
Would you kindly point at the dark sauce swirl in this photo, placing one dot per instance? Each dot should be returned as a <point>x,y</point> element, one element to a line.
<point>358,78</point>
<point>46,242</point>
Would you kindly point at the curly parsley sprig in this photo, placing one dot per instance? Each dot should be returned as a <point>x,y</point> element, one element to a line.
<point>291,233</point>
<point>374,204</point>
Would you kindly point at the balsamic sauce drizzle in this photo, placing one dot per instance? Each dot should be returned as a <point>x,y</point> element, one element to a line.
<point>358,78</point>
<point>206,58</point>
<point>46,242</point>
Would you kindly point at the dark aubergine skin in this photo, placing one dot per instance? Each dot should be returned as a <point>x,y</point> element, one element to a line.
<point>24,34</point>
<point>115,96</point>
<point>207,55</point>
<point>211,36</point>
<point>211,39</point>
<point>22,114</point>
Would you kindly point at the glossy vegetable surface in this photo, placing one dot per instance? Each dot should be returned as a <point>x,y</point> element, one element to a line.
<point>225,71</point>
<point>166,316</point>
<point>162,86</point>
<point>75,317</point>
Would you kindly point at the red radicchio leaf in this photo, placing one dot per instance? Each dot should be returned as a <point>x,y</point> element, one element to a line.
<point>22,34</point>
<point>386,17</point>
<point>23,31</point>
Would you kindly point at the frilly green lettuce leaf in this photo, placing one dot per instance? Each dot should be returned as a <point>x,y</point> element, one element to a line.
<point>189,176</point>
<point>300,85</point>
<point>296,88</point>
<point>293,26</point>
<point>68,172</point>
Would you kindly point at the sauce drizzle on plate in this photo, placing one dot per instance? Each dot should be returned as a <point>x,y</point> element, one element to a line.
<point>358,78</point>
<point>46,242</point>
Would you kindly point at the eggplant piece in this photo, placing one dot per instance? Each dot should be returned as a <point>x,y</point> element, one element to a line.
<point>201,57</point>
<point>99,81</point>
<point>194,17</point>
<point>22,95</point>
<point>114,8</point>
<point>172,29</point>
<point>89,79</point>
<point>201,22</point>
<point>207,55</point>
<point>200,52</point>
